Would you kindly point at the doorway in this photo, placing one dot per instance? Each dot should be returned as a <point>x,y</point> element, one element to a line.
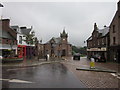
<point>63,52</point>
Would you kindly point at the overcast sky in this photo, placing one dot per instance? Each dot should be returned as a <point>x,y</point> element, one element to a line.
<point>49,18</point>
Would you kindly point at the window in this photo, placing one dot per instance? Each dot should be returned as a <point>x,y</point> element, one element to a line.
<point>15,29</point>
<point>20,39</point>
<point>98,42</point>
<point>7,41</point>
<point>102,41</point>
<point>114,40</point>
<point>113,28</point>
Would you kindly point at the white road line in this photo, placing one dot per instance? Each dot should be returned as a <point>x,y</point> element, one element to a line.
<point>16,80</point>
<point>118,77</point>
<point>115,75</point>
<point>19,81</point>
<point>4,79</point>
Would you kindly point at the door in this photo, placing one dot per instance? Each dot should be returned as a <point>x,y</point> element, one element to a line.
<point>64,52</point>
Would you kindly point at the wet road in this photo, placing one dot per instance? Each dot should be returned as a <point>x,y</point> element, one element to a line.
<point>54,75</point>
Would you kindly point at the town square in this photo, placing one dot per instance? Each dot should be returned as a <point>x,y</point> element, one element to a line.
<point>60,45</point>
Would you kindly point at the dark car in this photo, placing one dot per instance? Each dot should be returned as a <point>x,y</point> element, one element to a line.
<point>76,56</point>
<point>99,58</point>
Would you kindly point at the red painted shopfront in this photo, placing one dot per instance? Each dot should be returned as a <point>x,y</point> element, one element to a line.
<point>21,51</point>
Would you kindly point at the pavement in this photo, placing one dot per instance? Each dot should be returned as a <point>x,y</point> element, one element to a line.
<point>29,63</point>
<point>96,69</point>
<point>95,79</point>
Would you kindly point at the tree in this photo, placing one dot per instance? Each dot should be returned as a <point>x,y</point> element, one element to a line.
<point>81,50</point>
<point>30,38</point>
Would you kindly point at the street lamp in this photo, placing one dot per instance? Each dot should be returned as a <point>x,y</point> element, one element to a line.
<point>1,5</point>
<point>1,10</point>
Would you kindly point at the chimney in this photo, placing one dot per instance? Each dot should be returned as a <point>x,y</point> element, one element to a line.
<point>5,22</point>
<point>95,26</point>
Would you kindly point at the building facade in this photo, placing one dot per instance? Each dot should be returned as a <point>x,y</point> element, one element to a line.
<point>40,50</point>
<point>98,43</point>
<point>8,41</point>
<point>115,37</point>
<point>57,47</point>
<point>25,49</point>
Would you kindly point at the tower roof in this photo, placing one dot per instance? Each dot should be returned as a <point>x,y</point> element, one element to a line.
<point>64,34</point>
<point>95,26</point>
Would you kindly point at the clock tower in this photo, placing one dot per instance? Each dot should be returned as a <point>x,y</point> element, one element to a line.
<point>64,37</point>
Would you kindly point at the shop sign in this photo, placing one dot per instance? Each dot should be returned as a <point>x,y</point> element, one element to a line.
<point>97,49</point>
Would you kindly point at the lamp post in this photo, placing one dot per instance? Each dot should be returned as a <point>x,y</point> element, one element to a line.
<point>1,6</point>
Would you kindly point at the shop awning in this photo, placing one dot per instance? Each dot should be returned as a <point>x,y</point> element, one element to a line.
<point>6,46</point>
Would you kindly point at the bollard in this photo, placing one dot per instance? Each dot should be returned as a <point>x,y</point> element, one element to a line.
<point>92,63</point>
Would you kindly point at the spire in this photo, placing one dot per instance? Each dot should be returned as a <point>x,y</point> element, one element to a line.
<point>95,26</point>
<point>63,34</point>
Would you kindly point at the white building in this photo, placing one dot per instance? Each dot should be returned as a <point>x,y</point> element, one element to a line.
<point>22,37</point>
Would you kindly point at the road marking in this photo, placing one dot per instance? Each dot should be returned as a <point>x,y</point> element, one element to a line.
<point>16,80</point>
<point>19,81</point>
<point>118,77</point>
<point>17,69</point>
<point>115,75</point>
<point>4,79</point>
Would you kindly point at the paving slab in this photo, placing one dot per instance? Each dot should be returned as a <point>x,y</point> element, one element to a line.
<point>97,69</point>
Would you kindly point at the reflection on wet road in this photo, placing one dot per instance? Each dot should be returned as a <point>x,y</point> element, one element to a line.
<point>45,76</point>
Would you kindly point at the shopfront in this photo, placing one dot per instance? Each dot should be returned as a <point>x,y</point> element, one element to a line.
<point>21,51</point>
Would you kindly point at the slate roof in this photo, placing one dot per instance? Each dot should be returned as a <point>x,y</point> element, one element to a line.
<point>25,30</point>
<point>103,31</point>
<point>90,38</point>
<point>56,40</point>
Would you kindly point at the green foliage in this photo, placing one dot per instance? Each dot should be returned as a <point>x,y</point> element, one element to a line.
<point>30,38</point>
<point>75,49</point>
<point>81,50</point>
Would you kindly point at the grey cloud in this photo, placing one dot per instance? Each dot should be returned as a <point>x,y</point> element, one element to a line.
<point>49,18</point>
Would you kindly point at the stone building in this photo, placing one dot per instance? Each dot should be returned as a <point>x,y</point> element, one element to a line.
<point>58,47</point>
<point>98,42</point>
<point>40,50</point>
<point>8,41</point>
<point>115,36</point>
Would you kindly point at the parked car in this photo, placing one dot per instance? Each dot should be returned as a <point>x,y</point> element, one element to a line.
<point>99,58</point>
<point>76,56</point>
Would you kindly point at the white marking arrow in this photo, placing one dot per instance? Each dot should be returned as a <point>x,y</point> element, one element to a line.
<point>113,74</point>
<point>16,81</point>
